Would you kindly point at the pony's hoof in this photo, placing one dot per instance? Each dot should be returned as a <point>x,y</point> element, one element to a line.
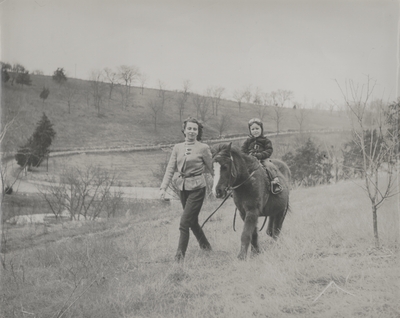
<point>255,250</point>
<point>242,256</point>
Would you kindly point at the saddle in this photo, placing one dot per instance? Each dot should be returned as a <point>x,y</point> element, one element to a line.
<point>273,185</point>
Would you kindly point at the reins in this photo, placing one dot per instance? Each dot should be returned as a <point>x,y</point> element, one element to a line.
<point>234,216</point>
<point>230,189</point>
<point>234,221</point>
<point>226,198</point>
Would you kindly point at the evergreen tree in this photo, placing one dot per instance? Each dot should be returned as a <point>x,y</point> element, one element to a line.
<point>309,165</point>
<point>37,147</point>
<point>24,78</point>
<point>43,136</point>
<point>59,76</point>
<point>4,72</point>
<point>26,156</point>
<point>44,94</point>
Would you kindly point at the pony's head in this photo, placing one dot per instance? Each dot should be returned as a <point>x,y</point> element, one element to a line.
<point>224,169</point>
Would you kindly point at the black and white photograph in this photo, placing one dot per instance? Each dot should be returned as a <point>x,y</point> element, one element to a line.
<point>199,158</point>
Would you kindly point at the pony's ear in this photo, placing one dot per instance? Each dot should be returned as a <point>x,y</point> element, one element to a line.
<point>229,147</point>
<point>215,149</point>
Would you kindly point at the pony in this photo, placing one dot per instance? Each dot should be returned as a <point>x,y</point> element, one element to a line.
<point>250,183</point>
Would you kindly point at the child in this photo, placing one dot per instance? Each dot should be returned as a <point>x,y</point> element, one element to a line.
<point>261,147</point>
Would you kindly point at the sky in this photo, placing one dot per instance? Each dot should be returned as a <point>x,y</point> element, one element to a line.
<point>305,46</point>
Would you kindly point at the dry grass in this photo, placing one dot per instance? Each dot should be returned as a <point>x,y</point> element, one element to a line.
<point>323,265</point>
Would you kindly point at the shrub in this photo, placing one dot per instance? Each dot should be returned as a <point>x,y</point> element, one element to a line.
<point>309,165</point>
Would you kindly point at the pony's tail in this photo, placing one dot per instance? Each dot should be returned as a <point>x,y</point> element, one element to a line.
<point>288,207</point>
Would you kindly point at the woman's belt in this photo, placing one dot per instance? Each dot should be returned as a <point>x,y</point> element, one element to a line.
<point>182,175</point>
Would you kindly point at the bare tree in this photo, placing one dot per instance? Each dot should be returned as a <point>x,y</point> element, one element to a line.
<point>217,97</point>
<point>112,78</point>
<point>162,93</point>
<point>257,96</point>
<point>215,94</point>
<point>186,85</point>
<point>300,115</point>
<point>124,96</point>
<point>223,123</point>
<point>336,159</point>
<point>161,87</point>
<point>247,94</point>
<point>97,89</point>
<point>183,98</point>
<point>8,177</point>
<point>204,109</point>
<point>331,105</point>
<point>70,94</point>
<point>202,104</point>
<point>86,193</point>
<point>377,147</point>
<point>143,80</point>
<point>261,100</point>
<point>279,99</point>
<point>238,95</point>
<point>155,111</point>
<point>128,74</point>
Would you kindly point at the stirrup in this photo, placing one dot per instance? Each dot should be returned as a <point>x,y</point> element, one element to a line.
<point>278,189</point>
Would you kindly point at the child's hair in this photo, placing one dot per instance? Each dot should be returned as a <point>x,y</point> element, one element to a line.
<point>199,125</point>
<point>258,122</point>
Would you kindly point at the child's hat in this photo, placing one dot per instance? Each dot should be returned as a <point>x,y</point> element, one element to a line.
<point>256,121</point>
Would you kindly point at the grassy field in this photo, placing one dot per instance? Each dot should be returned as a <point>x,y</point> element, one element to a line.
<point>117,125</point>
<point>323,265</point>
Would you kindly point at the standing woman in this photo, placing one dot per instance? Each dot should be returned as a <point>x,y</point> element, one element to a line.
<point>190,158</point>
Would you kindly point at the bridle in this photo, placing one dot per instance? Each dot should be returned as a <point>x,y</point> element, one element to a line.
<point>233,173</point>
<point>230,188</point>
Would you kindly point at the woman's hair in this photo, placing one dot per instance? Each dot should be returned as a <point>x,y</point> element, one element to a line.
<point>199,125</point>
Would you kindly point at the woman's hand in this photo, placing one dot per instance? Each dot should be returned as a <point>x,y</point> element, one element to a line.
<point>162,194</point>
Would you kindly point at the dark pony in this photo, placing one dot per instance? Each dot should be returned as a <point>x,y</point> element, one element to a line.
<point>251,192</point>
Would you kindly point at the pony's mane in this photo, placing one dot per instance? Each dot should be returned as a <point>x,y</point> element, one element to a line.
<point>251,162</point>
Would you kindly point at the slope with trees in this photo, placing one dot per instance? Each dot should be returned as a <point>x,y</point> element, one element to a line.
<point>84,127</point>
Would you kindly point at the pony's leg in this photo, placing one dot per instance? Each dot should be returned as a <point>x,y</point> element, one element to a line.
<point>254,242</point>
<point>277,224</point>
<point>250,223</point>
<point>270,227</point>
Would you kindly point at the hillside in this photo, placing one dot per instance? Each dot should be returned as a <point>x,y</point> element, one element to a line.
<point>81,125</point>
